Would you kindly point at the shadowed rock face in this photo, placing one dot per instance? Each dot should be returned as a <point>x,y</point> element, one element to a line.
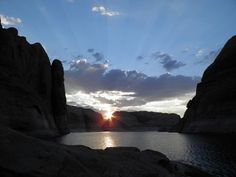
<point>26,85</point>
<point>58,97</point>
<point>213,109</point>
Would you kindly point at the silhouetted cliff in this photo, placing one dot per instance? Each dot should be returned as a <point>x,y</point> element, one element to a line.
<point>81,119</point>
<point>31,90</point>
<point>213,108</point>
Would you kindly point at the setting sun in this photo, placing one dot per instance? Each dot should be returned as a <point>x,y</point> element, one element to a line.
<point>108,115</point>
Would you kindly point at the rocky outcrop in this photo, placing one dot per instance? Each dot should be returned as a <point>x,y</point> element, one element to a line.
<point>213,108</point>
<point>81,119</point>
<point>59,97</point>
<point>27,90</point>
<point>39,158</point>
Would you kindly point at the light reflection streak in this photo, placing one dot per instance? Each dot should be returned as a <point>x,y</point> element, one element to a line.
<point>108,141</point>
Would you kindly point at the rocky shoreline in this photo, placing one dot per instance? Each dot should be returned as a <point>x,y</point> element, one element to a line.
<point>23,155</point>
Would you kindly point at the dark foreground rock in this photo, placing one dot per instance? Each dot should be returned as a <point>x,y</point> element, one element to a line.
<point>213,109</point>
<point>22,155</point>
<point>82,119</point>
<point>32,92</point>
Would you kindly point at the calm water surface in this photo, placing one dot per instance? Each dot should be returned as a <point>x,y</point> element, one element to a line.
<point>214,154</point>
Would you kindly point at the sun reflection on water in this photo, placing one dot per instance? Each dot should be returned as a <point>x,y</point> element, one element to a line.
<point>108,141</point>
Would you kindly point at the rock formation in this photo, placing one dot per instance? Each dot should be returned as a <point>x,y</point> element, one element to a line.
<point>27,88</point>
<point>213,108</point>
<point>59,97</point>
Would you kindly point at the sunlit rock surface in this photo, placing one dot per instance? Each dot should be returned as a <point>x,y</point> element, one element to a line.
<point>213,109</point>
<point>22,155</point>
<point>26,86</point>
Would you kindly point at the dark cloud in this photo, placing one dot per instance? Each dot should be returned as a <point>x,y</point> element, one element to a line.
<point>167,61</point>
<point>90,50</point>
<point>140,57</point>
<point>95,77</point>
<point>208,57</point>
<point>98,56</point>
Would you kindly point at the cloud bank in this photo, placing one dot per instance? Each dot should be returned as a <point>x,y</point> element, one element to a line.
<point>124,89</point>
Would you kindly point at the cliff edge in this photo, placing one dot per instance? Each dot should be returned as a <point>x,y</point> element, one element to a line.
<point>213,108</point>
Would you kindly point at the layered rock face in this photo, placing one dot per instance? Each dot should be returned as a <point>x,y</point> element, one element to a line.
<point>213,109</point>
<point>27,89</point>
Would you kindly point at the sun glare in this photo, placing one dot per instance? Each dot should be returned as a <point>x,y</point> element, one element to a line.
<point>108,115</point>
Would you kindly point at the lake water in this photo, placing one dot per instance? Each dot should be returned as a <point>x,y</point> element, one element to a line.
<point>213,153</point>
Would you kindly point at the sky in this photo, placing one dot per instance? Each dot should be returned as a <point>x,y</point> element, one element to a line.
<point>127,54</point>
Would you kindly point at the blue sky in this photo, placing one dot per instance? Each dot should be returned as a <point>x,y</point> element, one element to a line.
<point>150,37</point>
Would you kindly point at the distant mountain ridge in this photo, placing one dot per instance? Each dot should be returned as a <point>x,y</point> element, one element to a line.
<point>82,119</point>
<point>213,108</point>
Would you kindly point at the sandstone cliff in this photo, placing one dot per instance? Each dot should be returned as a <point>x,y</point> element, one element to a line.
<point>30,87</point>
<point>213,108</point>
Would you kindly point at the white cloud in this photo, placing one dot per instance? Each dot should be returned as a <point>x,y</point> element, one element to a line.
<point>200,53</point>
<point>114,95</point>
<point>93,100</point>
<point>103,11</point>
<point>6,20</point>
<point>172,105</point>
<point>207,56</point>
